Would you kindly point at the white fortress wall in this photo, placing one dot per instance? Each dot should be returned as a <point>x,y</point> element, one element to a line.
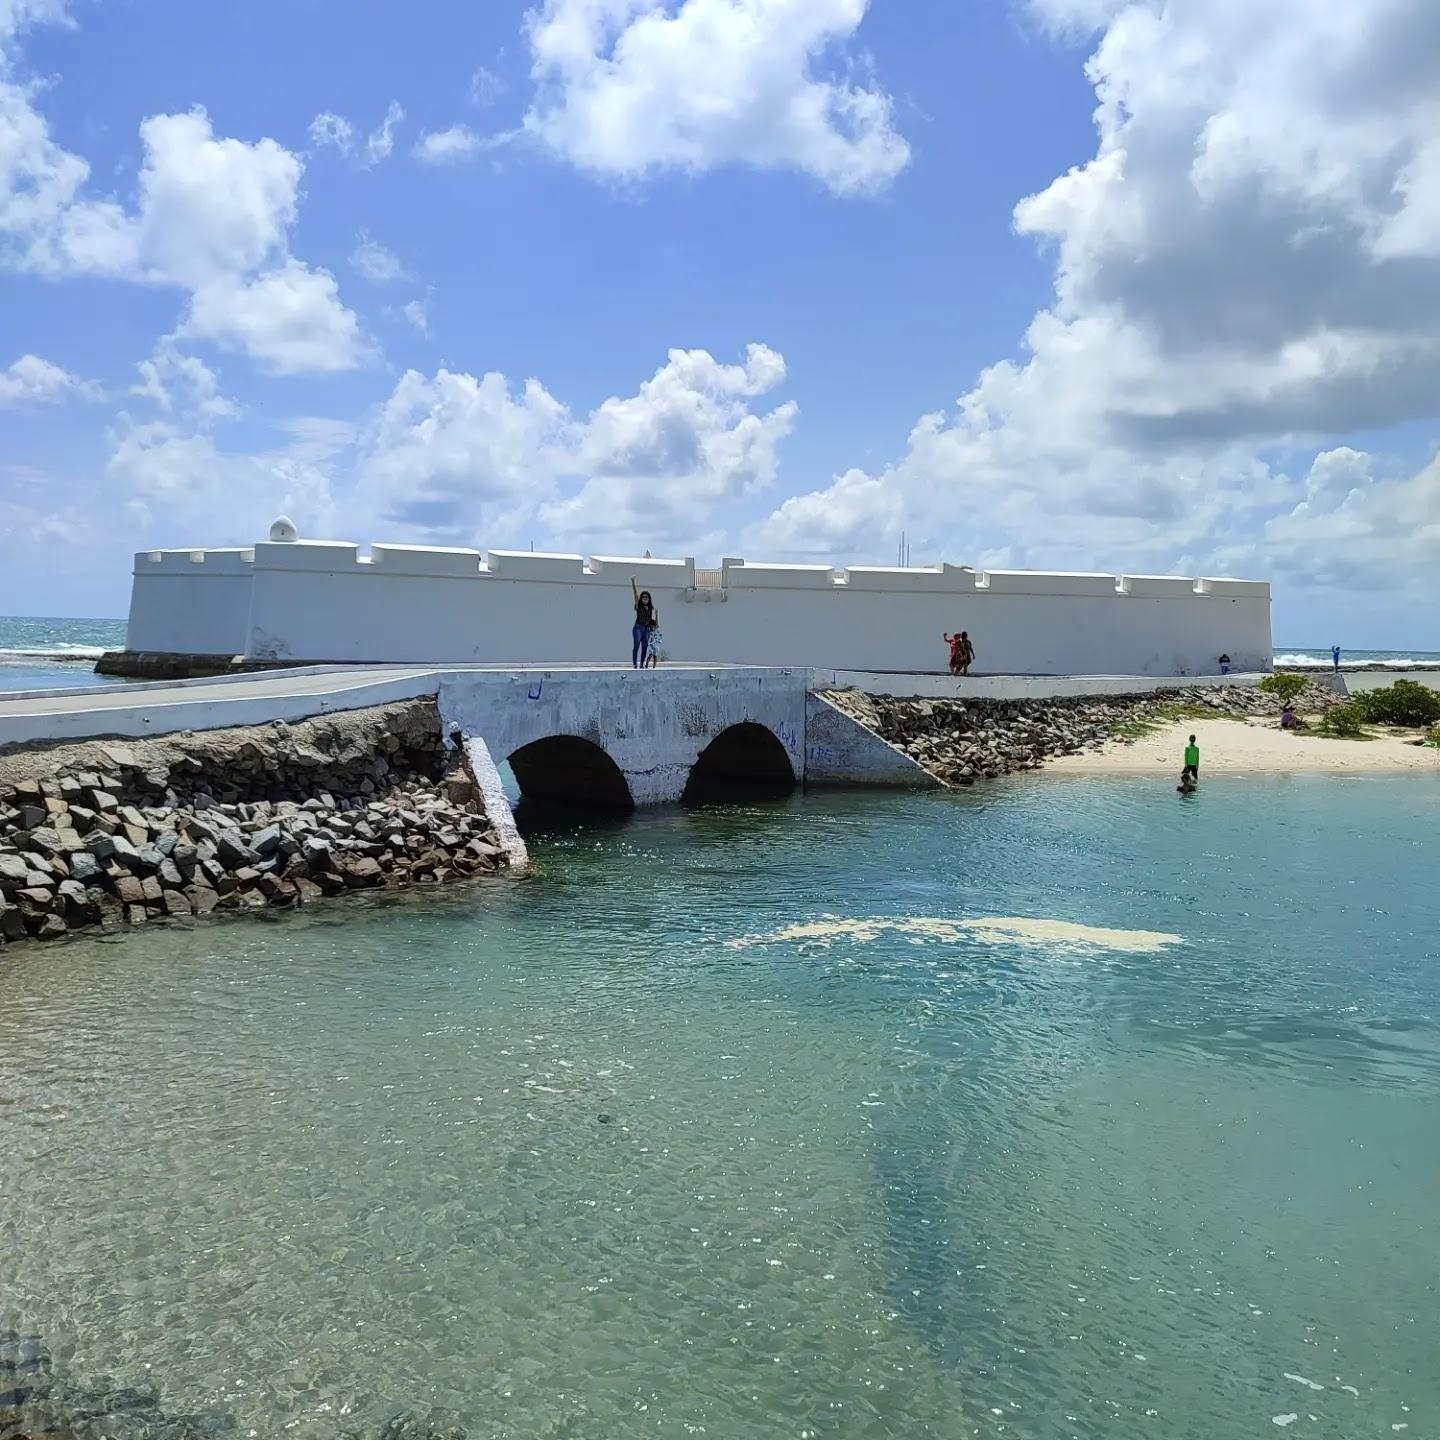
<point>325,601</point>
<point>197,602</point>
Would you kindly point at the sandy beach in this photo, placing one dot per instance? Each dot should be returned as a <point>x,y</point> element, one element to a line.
<point>1237,747</point>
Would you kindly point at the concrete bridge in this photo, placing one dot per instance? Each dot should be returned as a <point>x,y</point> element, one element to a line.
<point>593,736</point>
<point>617,738</point>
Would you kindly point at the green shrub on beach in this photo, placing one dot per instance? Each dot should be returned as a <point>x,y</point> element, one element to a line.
<point>1283,686</point>
<point>1404,703</point>
<point>1342,722</point>
<point>1433,737</point>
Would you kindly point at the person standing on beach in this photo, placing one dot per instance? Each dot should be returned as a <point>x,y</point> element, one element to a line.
<point>1192,761</point>
<point>1335,657</point>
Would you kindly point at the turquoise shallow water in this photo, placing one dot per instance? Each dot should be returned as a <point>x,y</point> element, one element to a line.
<point>589,1155</point>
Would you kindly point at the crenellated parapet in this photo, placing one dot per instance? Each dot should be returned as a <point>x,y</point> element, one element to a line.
<point>325,600</point>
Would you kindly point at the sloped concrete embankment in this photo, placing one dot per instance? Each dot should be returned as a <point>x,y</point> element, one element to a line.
<point>841,748</point>
<point>113,835</point>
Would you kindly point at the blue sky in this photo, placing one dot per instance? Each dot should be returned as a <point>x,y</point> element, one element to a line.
<point>1063,283</point>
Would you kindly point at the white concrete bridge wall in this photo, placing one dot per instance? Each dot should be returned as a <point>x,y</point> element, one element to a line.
<point>653,732</point>
<point>324,601</point>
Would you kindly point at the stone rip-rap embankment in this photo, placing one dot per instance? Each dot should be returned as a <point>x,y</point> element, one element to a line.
<point>113,835</point>
<point>962,741</point>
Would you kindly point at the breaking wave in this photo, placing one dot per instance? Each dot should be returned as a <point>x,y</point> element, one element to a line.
<point>51,652</point>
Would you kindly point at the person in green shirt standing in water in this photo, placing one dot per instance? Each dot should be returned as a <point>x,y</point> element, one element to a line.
<point>1192,761</point>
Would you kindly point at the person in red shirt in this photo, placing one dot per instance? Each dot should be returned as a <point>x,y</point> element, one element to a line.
<point>962,652</point>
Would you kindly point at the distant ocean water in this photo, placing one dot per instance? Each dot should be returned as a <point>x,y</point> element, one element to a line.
<point>1356,659</point>
<point>41,654</point>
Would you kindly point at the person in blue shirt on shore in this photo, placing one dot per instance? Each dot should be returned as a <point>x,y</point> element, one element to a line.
<point>1335,657</point>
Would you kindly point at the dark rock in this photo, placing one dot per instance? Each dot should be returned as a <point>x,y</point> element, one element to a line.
<point>130,890</point>
<point>148,860</point>
<point>50,841</point>
<point>203,899</point>
<point>233,851</point>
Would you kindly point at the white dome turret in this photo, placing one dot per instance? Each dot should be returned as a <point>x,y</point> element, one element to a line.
<point>284,530</point>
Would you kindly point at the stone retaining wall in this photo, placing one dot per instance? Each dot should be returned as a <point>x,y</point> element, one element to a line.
<point>960,742</point>
<point>112,835</point>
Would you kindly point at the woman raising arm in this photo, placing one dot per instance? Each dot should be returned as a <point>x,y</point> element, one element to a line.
<point>646,620</point>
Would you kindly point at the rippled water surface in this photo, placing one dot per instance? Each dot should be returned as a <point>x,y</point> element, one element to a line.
<point>642,1147</point>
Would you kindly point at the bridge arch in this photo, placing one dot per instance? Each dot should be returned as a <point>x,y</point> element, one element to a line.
<point>573,771</point>
<point>746,760</point>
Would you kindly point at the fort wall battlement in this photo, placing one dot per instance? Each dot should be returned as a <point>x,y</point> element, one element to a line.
<point>309,600</point>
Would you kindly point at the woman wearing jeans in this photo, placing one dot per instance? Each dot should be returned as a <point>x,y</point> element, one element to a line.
<point>646,620</point>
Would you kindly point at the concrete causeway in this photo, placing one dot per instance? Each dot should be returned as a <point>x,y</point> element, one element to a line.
<point>603,735</point>
<point>600,734</point>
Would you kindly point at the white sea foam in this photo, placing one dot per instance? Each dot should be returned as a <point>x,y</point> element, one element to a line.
<point>1388,662</point>
<point>1283,1420</point>
<point>1301,1380</point>
<point>990,929</point>
<point>53,652</point>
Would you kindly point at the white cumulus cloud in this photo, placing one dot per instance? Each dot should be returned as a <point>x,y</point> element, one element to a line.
<point>469,459</point>
<point>626,87</point>
<point>33,381</point>
<point>290,319</point>
<point>176,382</point>
<point>183,478</point>
<point>1247,266</point>
<point>211,217</point>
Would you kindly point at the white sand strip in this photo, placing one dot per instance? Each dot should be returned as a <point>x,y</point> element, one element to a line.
<point>1236,747</point>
